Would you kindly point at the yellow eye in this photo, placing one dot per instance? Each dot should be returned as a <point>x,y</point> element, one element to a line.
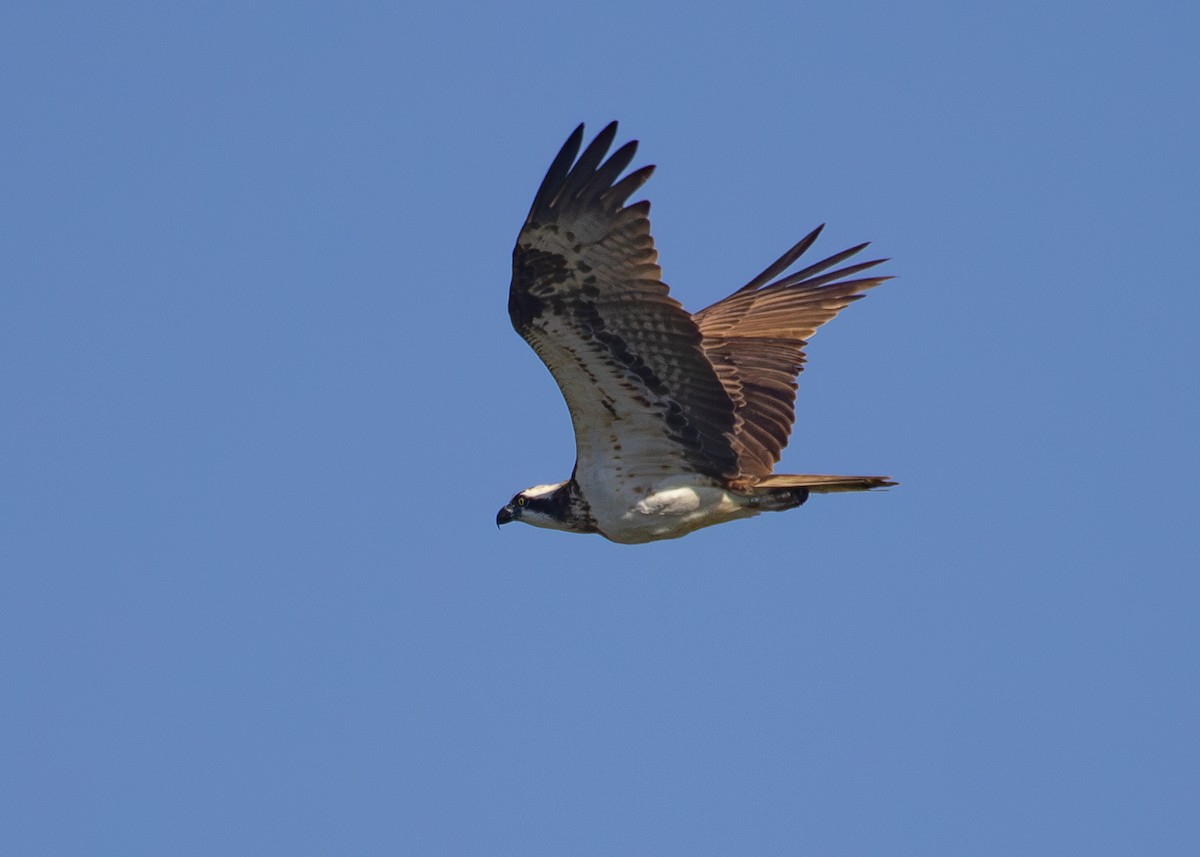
<point>520,501</point>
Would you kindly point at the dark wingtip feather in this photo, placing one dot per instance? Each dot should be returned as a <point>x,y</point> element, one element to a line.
<point>857,287</point>
<point>560,167</point>
<point>594,153</point>
<point>783,262</point>
<point>816,268</point>
<point>804,279</point>
<point>602,179</point>
<point>622,190</point>
<point>583,179</point>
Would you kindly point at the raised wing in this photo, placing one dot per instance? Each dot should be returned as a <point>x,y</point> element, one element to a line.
<point>755,339</point>
<point>587,295</point>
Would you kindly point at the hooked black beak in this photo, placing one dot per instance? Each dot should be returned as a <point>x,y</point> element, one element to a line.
<point>505,515</point>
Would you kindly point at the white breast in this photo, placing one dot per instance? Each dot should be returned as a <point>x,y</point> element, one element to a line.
<point>644,510</point>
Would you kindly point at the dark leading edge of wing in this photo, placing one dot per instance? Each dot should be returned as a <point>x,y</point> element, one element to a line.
<point>587,295</point>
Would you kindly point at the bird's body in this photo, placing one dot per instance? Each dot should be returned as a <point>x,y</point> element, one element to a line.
<point>675,506</point>
<point>636,511</point>
<point>679,419</point>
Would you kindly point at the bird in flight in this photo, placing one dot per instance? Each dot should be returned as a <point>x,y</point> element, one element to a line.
<point>679,418</point>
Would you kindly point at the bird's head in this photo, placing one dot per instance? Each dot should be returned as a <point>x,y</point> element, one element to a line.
<point>546,506</point>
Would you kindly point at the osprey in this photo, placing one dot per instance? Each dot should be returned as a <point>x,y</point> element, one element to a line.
<point>679,419</point>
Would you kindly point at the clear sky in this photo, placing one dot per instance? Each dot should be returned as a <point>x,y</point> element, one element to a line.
<point>260,401</point>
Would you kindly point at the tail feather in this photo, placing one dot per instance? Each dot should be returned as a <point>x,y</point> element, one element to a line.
<point>823,484</point>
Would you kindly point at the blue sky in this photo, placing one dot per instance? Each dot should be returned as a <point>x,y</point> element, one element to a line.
<point>261,401</point>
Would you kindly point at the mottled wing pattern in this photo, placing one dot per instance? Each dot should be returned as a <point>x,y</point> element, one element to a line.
<point>587,295</point>
<point>756,337</point>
